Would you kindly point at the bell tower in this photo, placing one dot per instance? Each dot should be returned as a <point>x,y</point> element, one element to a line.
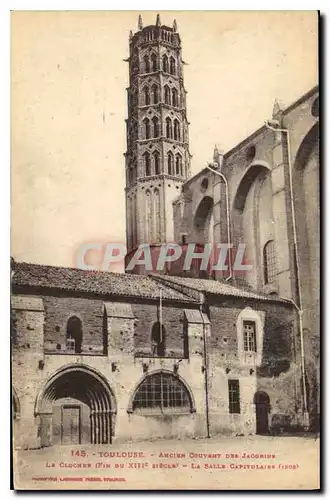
<point>157,156</point>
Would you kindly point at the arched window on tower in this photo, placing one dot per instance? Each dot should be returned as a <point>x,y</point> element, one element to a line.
<point>169,132</point>
<point>155,94</point>
<point>74,334</point>
<point>156,163</point>
<point>147,165</point>
<point>158,339</point>
<point>176,130</point>
<point>154,62</point>
<point>175,100</point>
<point>146,124</point>
<point>269,255</point>
<point>146,94</point>
<point>167,93</point>
<point>155,126</point>
<point>178,165</point>
<point>172,66</point>
<point>146,64</point>
<point>165,63</point>
<point>170,163</point>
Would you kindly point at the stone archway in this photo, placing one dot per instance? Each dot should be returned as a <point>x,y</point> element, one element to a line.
<point>202,220</point>
<point>76,402</point>
<point>261,401</point>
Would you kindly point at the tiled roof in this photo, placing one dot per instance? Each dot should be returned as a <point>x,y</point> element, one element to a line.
<point>219,288</point>
<point>94,282</point>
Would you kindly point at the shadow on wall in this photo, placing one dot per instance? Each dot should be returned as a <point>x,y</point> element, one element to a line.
<point>277,347</point>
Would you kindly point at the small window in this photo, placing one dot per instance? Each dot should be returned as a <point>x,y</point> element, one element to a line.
<point>250,340</point>
<point>170,163</point>
<point>269,255</point>
<point>234,399</point>
<point>158,340</point>
<point>146,64</point>
<point>74,334</point>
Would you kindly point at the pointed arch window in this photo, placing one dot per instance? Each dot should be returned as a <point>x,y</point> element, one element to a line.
<point>170,163</point>
<point>164,392</point>
<point>167,93</point>
<point>165,63</point>
<point>178,165</point>
<point>176,130</point>
<point>154,62</point>
<point>147,166</point>
<point>156,162</point>
<point>269,257</point>
<point>146,64</point>
<point>175,99</point>
<point>172,66</point>
<point>155,126</point>
<point>74,334</point>
<point>155,94</point>
<point>169,132</point>
<point>146,94</point>
<point>146,124</point>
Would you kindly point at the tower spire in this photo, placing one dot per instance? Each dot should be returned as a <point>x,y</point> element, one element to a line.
<point>140,23</point>
<point>175,26</point>
<point>158,23</point>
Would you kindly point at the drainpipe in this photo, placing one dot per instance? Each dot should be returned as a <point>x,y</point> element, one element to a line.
<point>275,126</point>
<point>228,219</point>
<point>205,369</point>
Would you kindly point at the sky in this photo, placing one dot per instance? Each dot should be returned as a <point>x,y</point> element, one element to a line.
<point>68,109</point>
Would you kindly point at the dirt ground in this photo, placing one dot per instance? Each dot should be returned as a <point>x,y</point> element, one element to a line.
<point>256,462</point>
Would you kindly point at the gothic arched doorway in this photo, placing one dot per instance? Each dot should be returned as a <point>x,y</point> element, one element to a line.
<point>261,400</point>
<point>76,406</point>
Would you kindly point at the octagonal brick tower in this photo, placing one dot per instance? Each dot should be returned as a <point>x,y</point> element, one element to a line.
<point>157,156</point>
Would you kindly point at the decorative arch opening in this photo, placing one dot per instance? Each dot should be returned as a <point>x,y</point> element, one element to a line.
<point>175,99</point>
<point>246,183</point>
<point>146,95</point>
<point>170,163</point>
<point>153,62</point>
<point>165,63</point>
<point>167,93</point>
<point>162,392</point>
<point>178,165</point>
<point>172,66</point>
<point>74,334</point>
<point>176,130</point>
<point>169,131</point>
<point>76,405</point>
<point>146,64</point>
<point>155,126</point>
<point>156,162</point>
<point>202,219</point>
<point>146,124</point>
<point>147,166</point>
<point>155,94</point>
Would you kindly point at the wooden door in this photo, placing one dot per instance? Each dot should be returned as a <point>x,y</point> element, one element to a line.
<point>71,424</point>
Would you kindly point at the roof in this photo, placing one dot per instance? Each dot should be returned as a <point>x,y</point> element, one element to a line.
<point>209,286</point>
<point>93,282</point>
